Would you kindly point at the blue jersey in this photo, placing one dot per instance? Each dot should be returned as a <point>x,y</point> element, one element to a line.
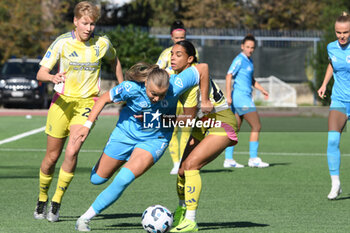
<point>340,59</point>
<point>138,103</point>
<point>242,70</point>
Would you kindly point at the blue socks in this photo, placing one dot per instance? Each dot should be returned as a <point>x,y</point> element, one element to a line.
<point>114,190</point>
<point>253,149</point>
<point>229,152</point>
<point>333,153</point>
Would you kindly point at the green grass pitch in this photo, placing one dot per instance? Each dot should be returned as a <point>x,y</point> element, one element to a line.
<point>290,196</point>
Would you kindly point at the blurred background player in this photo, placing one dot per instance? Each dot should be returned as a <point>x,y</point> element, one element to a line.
<point>178,33</point>
<point>77,85</point>
<point>339,68</point>
<point>240,99</point>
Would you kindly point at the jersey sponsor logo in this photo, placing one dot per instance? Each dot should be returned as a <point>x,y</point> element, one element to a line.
<point>178,82</point>
<point>73,54</point>
<point>119,90</point>
<point>348,59</point>
<point>127,87</point>
<point>48,54</point>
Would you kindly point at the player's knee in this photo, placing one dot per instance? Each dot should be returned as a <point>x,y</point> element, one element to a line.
<point>333,139</point>
<point>96,179</point>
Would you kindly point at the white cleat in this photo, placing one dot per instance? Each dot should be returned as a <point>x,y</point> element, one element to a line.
<point>82,225</point>
<point>335,192</point>
<point>232,163</point>
<point>40,210</point>
<point>257,162</point>
<point>53,215</point>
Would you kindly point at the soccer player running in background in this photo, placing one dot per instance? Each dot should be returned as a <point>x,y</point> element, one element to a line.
<point>178,33</point>
<point>204,145</point>
<point>242,105</point>
<point>133,147</point>
<point>338,67</point>
<point>77,85</point>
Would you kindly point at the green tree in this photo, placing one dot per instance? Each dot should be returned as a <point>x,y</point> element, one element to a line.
<point>133,45</point>
<point>27,26</point>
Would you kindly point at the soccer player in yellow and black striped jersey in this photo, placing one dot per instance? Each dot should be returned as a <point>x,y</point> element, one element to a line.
<point>206,141</point>
<point>178,33</point>
<point>77,84</point>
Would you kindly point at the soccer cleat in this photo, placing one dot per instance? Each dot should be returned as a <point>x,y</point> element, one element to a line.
<point>186,226</point>
<point>53,214</point>
<point>232,163</point>
<point>175,169</point>
<point>256,162</point>
<point>179,215</point>
<point>82,225</point>
<point>335,192</point>
<point>40,210</point>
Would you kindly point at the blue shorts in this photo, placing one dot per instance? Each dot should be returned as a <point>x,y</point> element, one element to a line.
<point>242,103</point>
<point>341,106</point>
<point>120,146</point>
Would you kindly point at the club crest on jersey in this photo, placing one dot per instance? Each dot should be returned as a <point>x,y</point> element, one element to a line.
<point>348,59</point>
<point>97,50</point>
<point>164,103</point>
<point>178,82</point>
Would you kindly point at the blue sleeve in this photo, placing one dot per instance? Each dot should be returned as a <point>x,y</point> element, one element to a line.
<point>235,66</point>
<point>121,92</point>
<point>185,80</point>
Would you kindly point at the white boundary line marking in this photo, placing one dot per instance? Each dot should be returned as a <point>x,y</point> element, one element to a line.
<point>236,152</point>
<point>22,135</point>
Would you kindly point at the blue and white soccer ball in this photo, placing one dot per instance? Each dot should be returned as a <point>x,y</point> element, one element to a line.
<point>157,219</point>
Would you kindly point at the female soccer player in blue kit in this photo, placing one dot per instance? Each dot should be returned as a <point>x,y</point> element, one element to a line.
<point>240,99</point>
<point>339,68</point>
<point>132,143</point>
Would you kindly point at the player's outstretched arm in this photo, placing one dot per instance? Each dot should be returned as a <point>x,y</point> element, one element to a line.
<point>83,132</point>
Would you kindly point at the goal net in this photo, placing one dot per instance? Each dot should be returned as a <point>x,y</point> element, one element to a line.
<point>281,94</point>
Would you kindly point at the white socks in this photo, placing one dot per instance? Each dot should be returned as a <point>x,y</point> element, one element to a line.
<point>89,214</point>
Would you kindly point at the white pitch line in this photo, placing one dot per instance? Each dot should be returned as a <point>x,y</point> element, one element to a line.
<point>236,152</point>
<point>22,135</point>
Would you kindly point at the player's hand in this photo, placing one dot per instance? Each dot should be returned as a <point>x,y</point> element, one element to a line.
<point>139,117</point>
<point>81,134</point>
<point>321,92</point>
<point>59,78</point>
<point>229,100</point>
<point>206,107</point>
<point>265,93</point>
